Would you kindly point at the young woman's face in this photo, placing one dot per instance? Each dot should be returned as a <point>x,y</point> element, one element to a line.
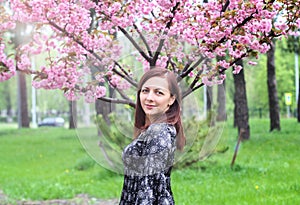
<point>155,97</point>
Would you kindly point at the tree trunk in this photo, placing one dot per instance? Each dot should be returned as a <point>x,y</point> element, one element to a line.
<point>272,90</point>
<point>72,114</point>
<point>23,118</point>
<point>209,97</point>
<point>221,115</point>
<point>241,116</point>
<point>8,102</point>
<point>209,106</point>
<point>235,124</point>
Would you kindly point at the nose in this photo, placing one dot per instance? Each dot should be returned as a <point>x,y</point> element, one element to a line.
<point>149,96</point>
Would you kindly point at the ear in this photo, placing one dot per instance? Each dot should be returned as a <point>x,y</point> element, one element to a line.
<point>172,100</point>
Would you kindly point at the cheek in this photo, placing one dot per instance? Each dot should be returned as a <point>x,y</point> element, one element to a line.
<point>141,97</point>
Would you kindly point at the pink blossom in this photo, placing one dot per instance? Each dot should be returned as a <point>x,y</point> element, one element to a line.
<point>281,26</point>
<point>7,25</point>
<point>71,95</point>
<point>206,81</point>
<point>222,77</point>
<point>263,48</point>
<point>70,45</point>
<point>237,69</point>
<point>266,25</point>
<point>191,74</point>
<point>24,62</point>
<point>100,91</point>
<point>298,23</point>
<point>99,78</point>
<point>252,63</point>
<point>223,64</point>
<point>114,80</point>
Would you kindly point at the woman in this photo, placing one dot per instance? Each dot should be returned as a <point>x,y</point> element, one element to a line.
<point>158,131</point>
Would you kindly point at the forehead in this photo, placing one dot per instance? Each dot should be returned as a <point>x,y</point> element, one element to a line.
<point>157,83</point>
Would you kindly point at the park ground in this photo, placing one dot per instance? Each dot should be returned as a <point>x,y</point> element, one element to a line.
<point>49,165</point>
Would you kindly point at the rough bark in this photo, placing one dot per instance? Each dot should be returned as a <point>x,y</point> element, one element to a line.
<point>209,105</point>
<point>241,116</point>
<point>23,106</point>
<point>209,97</point>
<point>23,118</point>
<point>72,114</point>
<point>272,90</point>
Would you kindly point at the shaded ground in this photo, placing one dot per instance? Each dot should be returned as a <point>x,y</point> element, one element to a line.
<point>81,199</point>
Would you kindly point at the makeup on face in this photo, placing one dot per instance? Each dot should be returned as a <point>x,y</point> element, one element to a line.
<point>155,96</point>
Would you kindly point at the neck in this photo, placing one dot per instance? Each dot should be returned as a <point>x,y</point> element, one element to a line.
<point>155,119</point>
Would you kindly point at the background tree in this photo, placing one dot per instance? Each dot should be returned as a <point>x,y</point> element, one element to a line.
<point>272,90</point>
<point>258,92</point>
<point>241,116</point>
<point>23,118</point>
<point>72,114</point>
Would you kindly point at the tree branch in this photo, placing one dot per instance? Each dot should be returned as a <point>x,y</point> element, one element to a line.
<point>144,40</point>
<point>225,6</point>
<point>197,78</point>
<point>184,74</point>
<point>134,43</point>
<point>74,39</point>
<point>117,101</point>
<point>187,65</point>
<point>189,91</point>
<point>123,95</point>
<point>161,42</point>
<point>132,82</point>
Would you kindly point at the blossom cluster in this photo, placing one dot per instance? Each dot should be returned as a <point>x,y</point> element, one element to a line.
<point>7,65</point>
<point>83,38</point>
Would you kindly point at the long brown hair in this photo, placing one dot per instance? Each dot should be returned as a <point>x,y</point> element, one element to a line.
<point>172,114</point>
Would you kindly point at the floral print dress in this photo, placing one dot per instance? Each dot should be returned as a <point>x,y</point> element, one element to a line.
<point>148,162</point>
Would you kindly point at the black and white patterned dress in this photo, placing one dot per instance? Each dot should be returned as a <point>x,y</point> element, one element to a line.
<point>148,162</point>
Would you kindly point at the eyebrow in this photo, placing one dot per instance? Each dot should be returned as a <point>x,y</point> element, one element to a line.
<point>157,88</point>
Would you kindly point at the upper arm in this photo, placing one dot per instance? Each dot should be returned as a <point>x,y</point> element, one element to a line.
<point>161,138</point>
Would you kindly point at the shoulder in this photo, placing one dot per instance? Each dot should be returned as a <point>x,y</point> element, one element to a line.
<point>160,137</point>
<point>161,131</point>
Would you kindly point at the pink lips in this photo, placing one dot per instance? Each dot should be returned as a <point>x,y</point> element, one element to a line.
<point>149,106</point>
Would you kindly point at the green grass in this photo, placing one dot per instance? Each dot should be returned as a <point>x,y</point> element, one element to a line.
<point>48,163</point>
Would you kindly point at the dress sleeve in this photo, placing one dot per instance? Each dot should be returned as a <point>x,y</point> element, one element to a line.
<point>159,149</point>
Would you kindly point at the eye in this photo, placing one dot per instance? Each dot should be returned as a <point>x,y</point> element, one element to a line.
<point>144,90</point>
<point>159,93</point>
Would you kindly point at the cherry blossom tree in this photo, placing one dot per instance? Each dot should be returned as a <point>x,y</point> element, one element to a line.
<point>180,35</point>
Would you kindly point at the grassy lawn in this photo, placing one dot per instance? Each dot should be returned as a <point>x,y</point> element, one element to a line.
<point>48,163</point>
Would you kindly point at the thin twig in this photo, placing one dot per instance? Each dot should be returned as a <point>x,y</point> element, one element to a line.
<point>144,40</point>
